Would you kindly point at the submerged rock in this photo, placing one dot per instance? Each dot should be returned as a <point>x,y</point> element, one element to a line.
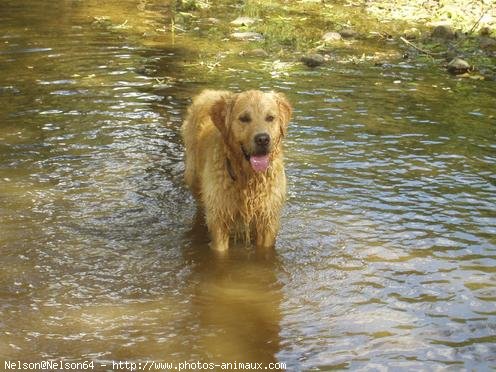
<point>452,53</point>
<point>313,60</point>
<point>255,53</point>
<point>330,37</point>
<point>143,70</point>
<point>444,32</point>
<point>243,21</point>
<point>458,66</point>
<point>488,74</point>
<point>487,43</point>
<point>248,35</point>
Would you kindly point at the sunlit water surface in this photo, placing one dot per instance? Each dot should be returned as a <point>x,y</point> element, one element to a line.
<point>387,253</point>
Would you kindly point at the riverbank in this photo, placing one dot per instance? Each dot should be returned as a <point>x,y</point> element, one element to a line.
<point>434,33</point>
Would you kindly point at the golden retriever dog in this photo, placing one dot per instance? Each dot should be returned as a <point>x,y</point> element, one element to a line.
<point>234,163</point>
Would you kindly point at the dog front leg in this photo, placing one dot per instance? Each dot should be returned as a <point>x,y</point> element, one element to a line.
<point>219,234</point>
<point>266,236</point>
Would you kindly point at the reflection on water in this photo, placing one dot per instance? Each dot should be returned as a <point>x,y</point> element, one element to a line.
<point>387,251</point>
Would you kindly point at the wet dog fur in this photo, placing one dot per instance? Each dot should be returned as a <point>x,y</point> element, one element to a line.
<point>234,163</point>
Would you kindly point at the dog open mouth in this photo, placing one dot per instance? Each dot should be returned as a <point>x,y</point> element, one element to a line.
<point>258,162</point>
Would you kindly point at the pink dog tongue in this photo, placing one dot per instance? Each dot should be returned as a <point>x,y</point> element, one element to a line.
<point>259,163</point>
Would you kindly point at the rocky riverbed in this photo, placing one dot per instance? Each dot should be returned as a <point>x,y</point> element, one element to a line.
<point>442,34</point>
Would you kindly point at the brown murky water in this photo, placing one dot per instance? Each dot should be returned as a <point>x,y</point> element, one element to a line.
<point>387,255</point>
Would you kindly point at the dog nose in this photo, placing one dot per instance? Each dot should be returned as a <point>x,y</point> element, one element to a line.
<point>262,139</point>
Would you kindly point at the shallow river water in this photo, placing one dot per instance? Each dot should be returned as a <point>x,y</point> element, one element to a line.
<point>387,254</point>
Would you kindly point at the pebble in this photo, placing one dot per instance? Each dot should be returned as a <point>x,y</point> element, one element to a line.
<point>248,35</point>
<point>313,60</point>
<point>243,21</point>
<point>458,66</point>
<point>444,32</point>
<point>330,37</point>
<point>348,33</point>
<point>411,33</point>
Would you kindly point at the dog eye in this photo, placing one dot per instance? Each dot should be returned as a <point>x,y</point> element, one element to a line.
<point>269,118</point>
<point>245,118</point>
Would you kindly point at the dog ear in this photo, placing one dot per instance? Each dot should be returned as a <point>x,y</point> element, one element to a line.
<point>220,113</point>
<point>285,111</point>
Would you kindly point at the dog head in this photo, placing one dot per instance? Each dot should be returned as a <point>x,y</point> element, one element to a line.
<point>252,124</point>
